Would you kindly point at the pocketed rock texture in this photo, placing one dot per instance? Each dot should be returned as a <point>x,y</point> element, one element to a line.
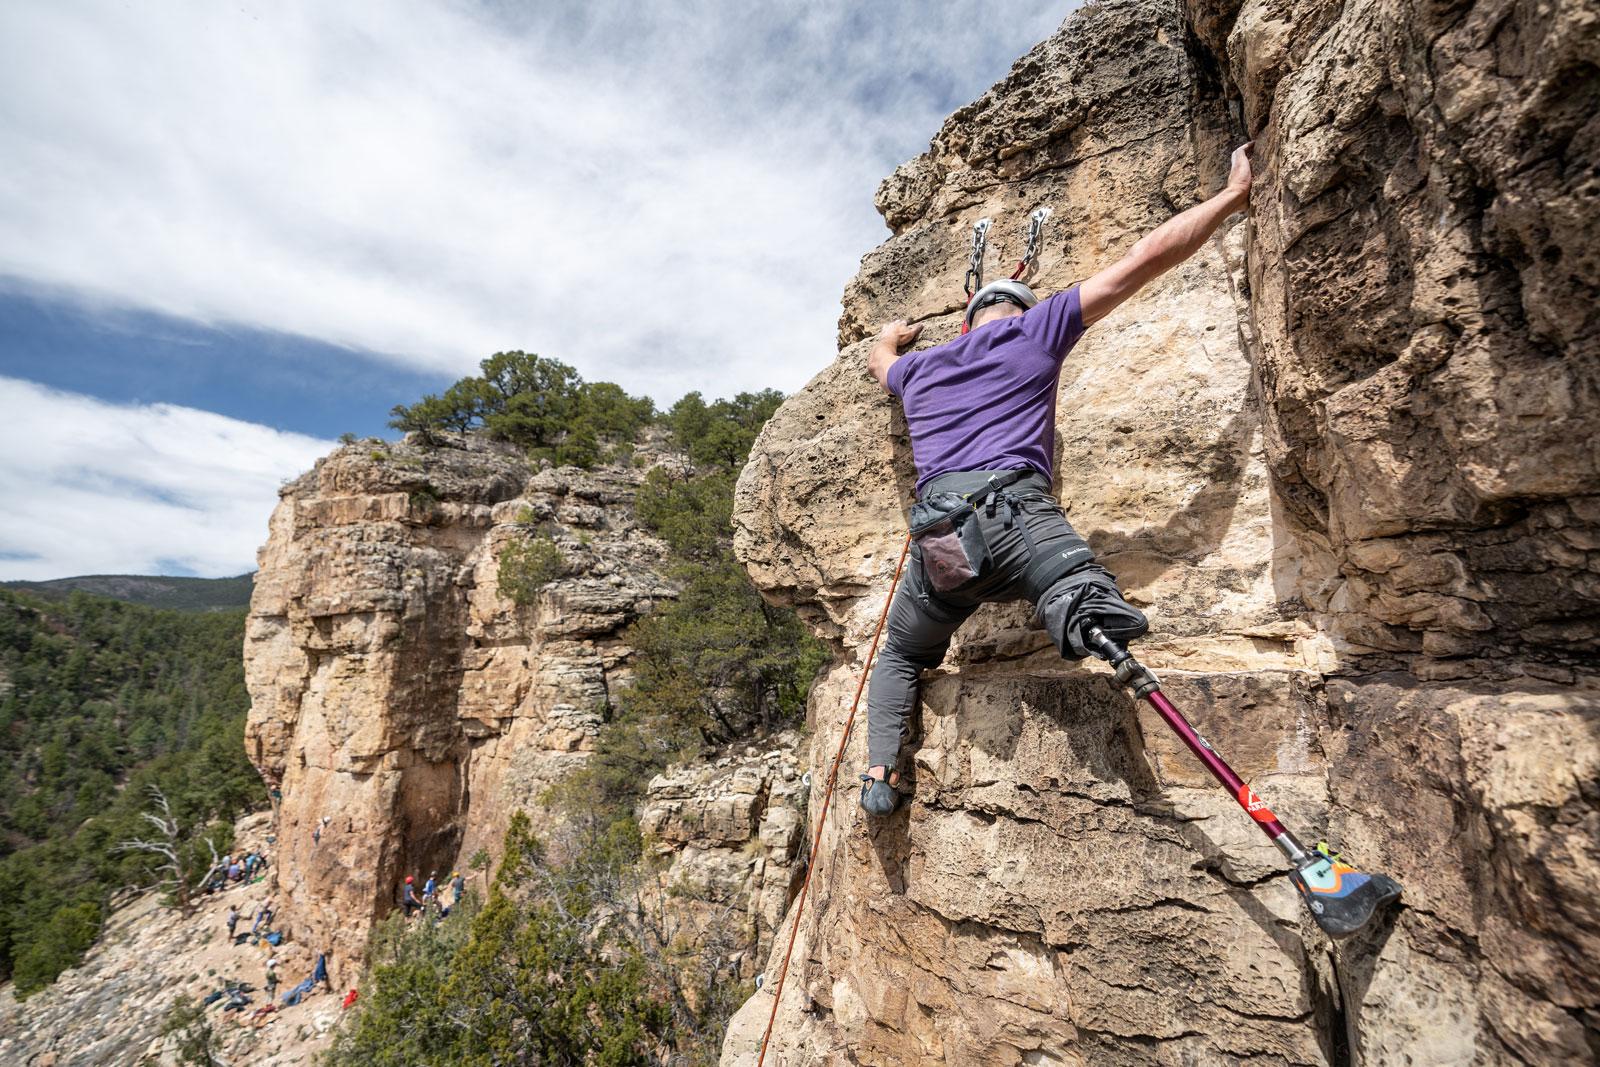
<point>1345,457</point>
<point>402,704</point>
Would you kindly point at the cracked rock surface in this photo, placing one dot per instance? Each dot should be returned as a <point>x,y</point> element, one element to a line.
<point>724,837</point>
<point>1344,457</point>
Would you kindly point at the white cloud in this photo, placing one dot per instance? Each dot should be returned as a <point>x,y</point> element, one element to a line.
<point>438,180</point>
<point>97,488</point>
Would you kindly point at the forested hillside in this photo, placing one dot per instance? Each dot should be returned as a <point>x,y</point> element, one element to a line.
<point>151,590</point>
<point>99,701</point>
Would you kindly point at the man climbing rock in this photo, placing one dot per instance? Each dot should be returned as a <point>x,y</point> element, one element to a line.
<point>981,410</point>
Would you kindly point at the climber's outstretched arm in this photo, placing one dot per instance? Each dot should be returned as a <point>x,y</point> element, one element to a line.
<point>1167,245</point>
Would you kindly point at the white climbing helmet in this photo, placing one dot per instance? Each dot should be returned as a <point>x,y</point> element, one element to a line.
<point>1006,291</point>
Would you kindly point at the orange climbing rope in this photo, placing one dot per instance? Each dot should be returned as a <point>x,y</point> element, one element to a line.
<point>827,799</point>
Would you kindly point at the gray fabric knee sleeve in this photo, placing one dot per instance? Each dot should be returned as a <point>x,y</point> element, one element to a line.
<point>1088,596</point>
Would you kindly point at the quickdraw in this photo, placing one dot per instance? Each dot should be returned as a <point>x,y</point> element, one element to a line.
<point>1035,233</point>
<point>972,281</point>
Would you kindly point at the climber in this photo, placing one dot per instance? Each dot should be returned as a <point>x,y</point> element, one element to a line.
<point>981,411</point>
<point>408,897</point>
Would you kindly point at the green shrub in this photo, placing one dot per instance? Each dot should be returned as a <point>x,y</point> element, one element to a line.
<point>549,970</point>
<point>527,566</point>
<point>543,405</point>
<point>424,501</point>
<point>196,1044</point>
<point>693,514</point>
<point>66,936</point>
<point>720,434</point>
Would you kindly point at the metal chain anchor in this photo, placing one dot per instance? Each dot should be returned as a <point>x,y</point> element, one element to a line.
<point>1035,235</point>
<point>980,242</point>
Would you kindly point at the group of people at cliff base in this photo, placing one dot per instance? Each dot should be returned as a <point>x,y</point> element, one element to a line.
<point>237,870</point>
<point>260,925</point>
<point>236,996</point>
<point>319,976</point>
<point>431,900</point>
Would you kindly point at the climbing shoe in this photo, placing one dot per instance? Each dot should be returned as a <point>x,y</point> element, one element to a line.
<point>878,797</point>
<point>1342,899</point>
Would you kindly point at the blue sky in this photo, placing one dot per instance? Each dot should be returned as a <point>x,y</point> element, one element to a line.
<point>140,357</point>
<point>292,216</point>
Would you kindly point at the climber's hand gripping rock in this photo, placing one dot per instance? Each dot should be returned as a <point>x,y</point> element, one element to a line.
<point>892,342</point>
<point>1240,173</point>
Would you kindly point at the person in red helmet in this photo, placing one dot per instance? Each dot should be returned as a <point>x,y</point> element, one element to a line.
<point>408,897</point>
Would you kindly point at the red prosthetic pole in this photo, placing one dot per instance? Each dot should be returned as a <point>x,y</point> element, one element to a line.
<point>1342,899</point>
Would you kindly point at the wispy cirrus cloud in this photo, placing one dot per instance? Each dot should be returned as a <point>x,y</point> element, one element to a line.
<point>97,488</point>
<point>668,195</point>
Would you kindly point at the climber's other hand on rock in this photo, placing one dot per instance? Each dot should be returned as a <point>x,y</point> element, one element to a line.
<point>893,340</point>
<point>1239,173</point>
<point>899,334</point>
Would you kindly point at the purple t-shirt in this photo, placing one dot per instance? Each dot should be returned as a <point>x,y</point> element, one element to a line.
<point>986,401</point>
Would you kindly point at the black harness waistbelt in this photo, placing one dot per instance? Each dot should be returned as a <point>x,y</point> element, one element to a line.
<point>990,490</point>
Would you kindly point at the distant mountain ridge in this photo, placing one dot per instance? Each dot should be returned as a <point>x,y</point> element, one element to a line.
<point>152,590</point>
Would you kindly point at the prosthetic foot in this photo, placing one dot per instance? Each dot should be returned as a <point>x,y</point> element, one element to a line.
<point>1342,899</point>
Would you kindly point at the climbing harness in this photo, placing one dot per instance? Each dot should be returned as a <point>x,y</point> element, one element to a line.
<point>1342,899</point>
<point>954,550</point>
<point>972,281</point>
<point>827,799</point>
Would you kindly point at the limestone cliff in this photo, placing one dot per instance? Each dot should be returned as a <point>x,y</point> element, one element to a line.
<point>402,704</point>
<point>1346,459</point>
<point>724,836</point>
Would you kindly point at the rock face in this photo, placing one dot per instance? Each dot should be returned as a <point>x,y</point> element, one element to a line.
<point>403,705</point>
<point>1345,459</point>
<point>725,836</point>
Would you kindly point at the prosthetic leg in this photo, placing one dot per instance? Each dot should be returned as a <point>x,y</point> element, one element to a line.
<point>1342,899</point>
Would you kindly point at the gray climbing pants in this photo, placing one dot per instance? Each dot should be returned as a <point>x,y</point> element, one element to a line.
<point>1022,525</point>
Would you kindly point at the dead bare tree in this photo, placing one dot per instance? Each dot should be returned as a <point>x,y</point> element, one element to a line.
<point>168,844</point>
